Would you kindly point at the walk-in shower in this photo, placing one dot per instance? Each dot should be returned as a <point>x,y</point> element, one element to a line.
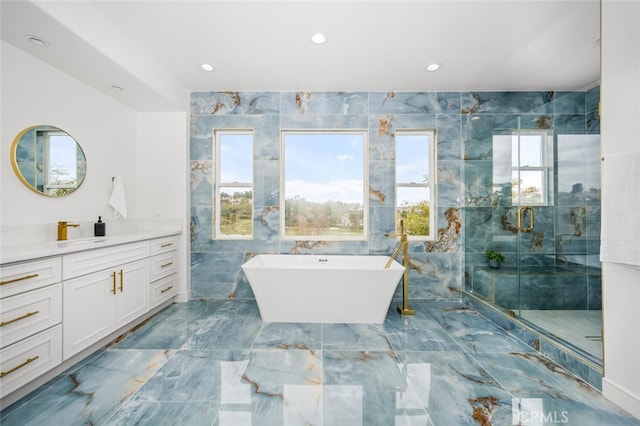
<point>532,192</point>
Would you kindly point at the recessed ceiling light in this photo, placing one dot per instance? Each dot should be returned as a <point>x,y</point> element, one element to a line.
<point>206,67</point>
<point>319,38</point>
<point>38,41</point>
<point>432,67</point>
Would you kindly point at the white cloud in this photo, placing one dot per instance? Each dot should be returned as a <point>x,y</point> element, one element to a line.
<point>348,191</point>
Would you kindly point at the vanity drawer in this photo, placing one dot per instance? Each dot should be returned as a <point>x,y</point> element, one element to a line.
<point>30,358</point>
<point>28,313</point>
<point>89,261</point>
<point>163,265</point>
<point>163,290</point>
<point>163,245</point>
<point>17,278</point>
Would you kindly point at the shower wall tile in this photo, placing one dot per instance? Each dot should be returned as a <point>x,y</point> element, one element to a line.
<point>324,103</point>
<point>471,216</point>
<point>478,188</point>
<point>507,102</point>
<point>449,184</point>
<point>570,103</point>
<point>226,103</point>
<point>449,137</point>
<point>414,102</point>
<point>570,123</point>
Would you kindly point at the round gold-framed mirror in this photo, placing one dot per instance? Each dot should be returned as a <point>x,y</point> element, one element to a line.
<point>48,160</point>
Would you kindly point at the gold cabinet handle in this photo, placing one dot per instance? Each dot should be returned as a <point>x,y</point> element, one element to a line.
<point>531,219</point>
<point>166,289</point>
<point>113,275</point>
<point>166,245</point>
<point>28,361</point>
<point>166,264</point>
<point>26,277</point>
<point>27,315</point>
<point>121,281</point>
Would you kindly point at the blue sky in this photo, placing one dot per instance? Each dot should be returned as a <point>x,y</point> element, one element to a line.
<point>321,167</point>
<point>62,154</point>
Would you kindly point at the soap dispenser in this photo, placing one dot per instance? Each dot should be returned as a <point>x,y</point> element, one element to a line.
<point>99,227</point>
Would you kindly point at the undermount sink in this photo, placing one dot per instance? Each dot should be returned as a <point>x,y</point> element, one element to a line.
<point>81,241</point>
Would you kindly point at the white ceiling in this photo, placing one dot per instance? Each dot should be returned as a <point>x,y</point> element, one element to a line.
<point>153,48</point>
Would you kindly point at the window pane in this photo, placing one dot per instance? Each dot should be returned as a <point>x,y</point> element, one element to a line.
<point>236,211</point>
<point>530,186</point>
<point>62,160</point>
<point>233,184</point>
<point>413,205</point>
<point>236,157</point>
<point>530,151</point>
<point>324,184</point>
<point>412,158</point>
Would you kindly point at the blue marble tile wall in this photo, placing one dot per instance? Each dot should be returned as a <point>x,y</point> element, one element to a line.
<point>464,156</point>
<point>567,232</point>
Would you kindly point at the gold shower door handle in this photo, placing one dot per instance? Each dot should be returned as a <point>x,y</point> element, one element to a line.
<point>531,219</point>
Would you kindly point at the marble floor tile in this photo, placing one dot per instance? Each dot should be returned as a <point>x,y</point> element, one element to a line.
<point>540,385</point>
<point>89,394</point>
<point>193,375</point>
<point>277,335</point>
<point>375,383</point>
<point>355,337</point>
<point>473,332</point>
<point>215,363</point>
<point>453,385</point>
<point>582,329</point>
<point>172,327</point>
<point>415,334</point>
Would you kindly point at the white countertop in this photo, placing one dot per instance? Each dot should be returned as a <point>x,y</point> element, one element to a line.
<point>28,251</point>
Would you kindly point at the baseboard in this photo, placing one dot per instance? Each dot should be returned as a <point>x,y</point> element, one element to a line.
<point>621,397</point>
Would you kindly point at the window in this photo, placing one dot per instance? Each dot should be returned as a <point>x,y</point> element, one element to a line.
<point>233,184</point>
<point>522,166</point>
<point>60,156</point>
<point>324,185</point>
<point>416,183</point>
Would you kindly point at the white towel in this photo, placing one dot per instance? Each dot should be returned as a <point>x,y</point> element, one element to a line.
<point>117,200</point>
<point>620,239</point>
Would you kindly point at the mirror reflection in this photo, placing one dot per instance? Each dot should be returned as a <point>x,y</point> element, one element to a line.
<point>48,160</point>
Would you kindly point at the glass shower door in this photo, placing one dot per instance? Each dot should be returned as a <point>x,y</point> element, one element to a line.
<point>556,202</point>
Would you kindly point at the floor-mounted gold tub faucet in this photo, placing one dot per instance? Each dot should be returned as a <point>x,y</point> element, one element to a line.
<point>404,248</point>
<point>62,230</point>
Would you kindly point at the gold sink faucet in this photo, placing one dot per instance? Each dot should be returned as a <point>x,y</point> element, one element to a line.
<point>62,229</point>
<point>404,248</point>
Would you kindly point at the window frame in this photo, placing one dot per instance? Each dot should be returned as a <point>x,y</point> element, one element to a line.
<point>431,184</point>
<point>218,134</point>
<point>365,184</point>
<point>545,165</point>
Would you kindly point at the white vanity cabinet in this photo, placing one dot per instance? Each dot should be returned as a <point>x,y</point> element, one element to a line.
<point>98,303</point>
<point>30,321</point>
<point>63,299</point>
<point>164,270</point>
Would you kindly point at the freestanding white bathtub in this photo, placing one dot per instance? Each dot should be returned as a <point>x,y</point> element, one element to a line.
<point>322,289</point>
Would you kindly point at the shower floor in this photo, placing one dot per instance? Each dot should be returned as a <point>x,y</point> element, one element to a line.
<point>580,328</point>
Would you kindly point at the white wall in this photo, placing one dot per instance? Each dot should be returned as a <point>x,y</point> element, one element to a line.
<point>620,130</point>
<point>35,93</point>
<point>147,150</point>
<point>163,176</point>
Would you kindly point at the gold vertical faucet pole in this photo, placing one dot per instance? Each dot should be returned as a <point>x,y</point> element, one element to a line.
<point>62,229</point>
<point>404,247</point>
